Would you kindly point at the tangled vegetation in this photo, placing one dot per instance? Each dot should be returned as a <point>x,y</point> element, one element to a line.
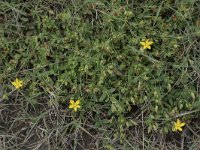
<point>107,74</point>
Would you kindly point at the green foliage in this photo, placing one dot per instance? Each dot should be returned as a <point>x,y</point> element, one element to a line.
<point>91,51</point>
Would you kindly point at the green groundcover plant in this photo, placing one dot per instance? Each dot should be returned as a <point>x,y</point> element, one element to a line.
<point>125,63</point>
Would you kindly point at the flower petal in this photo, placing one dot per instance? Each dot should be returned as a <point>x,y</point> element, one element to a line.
<point>77,102</point>
<point>178,121</point>
<point>71,102</point>
<point>180,129</point>
<point>182,124</point>
<point>17,80</point>
<point>150,43</point>
<point>142,43</point>
<point>71,106</point>
<point>75,109</point>
<point>13,83</point>
<point>173,128</point>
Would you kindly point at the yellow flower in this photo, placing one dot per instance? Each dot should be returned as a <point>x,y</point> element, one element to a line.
<point>146,44</point>
<point>17,83</point>
<point>178,125</point>
<point>74,105</point>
